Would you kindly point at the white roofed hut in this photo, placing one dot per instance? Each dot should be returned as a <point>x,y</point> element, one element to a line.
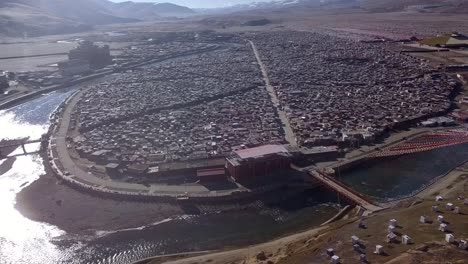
<point>463,244</point>
<point>405,239</point>
<point>355,240</point>
<point>449,206</point>
<point>440,218</point>
<point>379,250</point>
<point>449,238</point>
<point>391,238</point>
<point>357,248</point>
<point>423,219</point>
<point>443,227</point>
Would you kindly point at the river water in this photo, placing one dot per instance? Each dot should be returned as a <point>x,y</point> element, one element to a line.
<point>396,177</point>
<point>26,241</point>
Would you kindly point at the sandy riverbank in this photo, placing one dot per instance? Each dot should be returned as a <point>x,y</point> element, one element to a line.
<point>48,200</point>
<point>444,186</point>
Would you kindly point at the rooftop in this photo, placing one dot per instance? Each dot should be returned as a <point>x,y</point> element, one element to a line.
<point>211,172</point>
<point>260,151</point>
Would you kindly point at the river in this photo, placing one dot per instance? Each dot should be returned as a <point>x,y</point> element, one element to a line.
<point>25,241</point>
<point>392,178</point>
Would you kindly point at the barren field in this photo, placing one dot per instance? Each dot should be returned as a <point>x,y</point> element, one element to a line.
<point>31,63</point>
<point>396,25</point>
<point>41,48</point>
<point>34,48</point>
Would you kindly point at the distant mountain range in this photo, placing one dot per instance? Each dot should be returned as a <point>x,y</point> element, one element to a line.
<point>277,4</point>
<point>150,10</point>
<point>445,6</point>
<point>40,17</point>
<point>442,6</point>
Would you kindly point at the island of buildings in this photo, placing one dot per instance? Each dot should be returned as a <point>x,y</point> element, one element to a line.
<point>203,109</point>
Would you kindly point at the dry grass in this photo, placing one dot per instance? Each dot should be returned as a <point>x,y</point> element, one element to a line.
<point>408,219</point>
<point>439,40</point>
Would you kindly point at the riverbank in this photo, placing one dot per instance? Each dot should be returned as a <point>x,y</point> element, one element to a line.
<point>49,200</point>
<point>311,245</point>
<point>18,99</point>
<point>444,186</point>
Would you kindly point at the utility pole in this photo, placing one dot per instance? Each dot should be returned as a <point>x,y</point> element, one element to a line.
<point>338,178</point>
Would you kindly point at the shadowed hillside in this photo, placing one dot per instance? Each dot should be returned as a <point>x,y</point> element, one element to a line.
<point>42,17</point>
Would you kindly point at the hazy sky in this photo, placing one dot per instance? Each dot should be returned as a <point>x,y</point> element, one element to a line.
<point>200,3</point>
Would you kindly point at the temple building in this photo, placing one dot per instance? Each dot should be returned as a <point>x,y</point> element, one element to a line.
<point>245,164</point>
<point>96,56</point>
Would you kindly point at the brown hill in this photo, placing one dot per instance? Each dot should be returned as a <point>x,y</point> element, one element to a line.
<point>41,17</point>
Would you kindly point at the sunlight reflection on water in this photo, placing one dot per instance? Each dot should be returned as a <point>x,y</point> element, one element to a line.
<point>14,128</point>
<point>25,241</point>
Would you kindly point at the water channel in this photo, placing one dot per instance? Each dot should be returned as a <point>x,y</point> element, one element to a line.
<point>397,177</point>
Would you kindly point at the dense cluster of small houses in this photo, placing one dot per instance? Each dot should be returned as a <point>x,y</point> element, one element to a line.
<point>335,89</point>
<point>405,239</point>
<point>196,107</point>
<point>153,51</point>
<point>205,105</point>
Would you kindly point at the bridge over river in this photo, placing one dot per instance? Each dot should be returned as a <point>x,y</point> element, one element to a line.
<point>8,146</point>
<point>344,191</point>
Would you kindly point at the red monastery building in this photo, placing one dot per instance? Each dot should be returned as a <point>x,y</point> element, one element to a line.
<point>246,164</point>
